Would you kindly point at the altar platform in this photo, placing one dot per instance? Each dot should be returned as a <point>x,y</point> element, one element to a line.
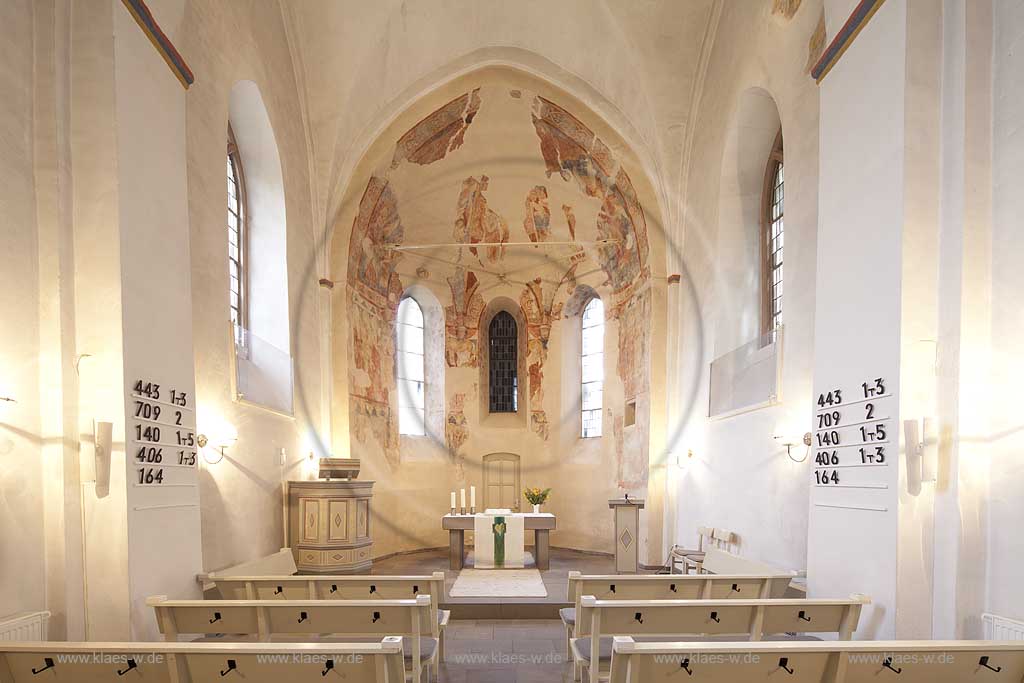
<point>555,578</point>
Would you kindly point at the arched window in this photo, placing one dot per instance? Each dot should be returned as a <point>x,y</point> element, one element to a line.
<point>503,360</point>
<point>592,366</point>
<point>411,384</point>
<point>237,290</point>
<point>772,225</point>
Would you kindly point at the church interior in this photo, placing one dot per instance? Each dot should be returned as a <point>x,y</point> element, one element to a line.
<point>596,340</point>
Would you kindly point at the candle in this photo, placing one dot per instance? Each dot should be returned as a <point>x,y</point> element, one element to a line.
<point>453,500</point>
<point>472,496</point>
<point>463,498</point>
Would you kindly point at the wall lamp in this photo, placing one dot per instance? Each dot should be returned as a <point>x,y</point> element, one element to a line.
<point>921,452</point>
<point>790,444</point>
<point>218,448</point>
<point>683,461</point>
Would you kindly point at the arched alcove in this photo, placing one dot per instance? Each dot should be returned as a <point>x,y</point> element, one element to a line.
<point>752,132</point>
<point>497,191</point>
<point>433,371</point>
<point>517,418</point>
<point>267,222</point>
<point>263,360</point>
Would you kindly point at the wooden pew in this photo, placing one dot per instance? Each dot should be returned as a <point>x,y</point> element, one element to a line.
<point>281,563</point>
<point>717,561</point>
<point>307,620</point>
<point>53,662</point>
<point>916,661</point>
<point>707,538</point>
<point>752,620</point>
<point>667,587</point>
<point>345,587</point>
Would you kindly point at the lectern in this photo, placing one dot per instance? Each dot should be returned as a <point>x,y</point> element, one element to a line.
<point>627,522</point>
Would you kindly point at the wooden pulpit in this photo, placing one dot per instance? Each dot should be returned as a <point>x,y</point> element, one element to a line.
<point>627,535</point>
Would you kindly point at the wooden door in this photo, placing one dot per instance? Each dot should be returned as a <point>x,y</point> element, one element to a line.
<point>501,481</point>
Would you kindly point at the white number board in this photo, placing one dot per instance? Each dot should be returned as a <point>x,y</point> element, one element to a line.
<point>161,436</point>
<point>854,437</point>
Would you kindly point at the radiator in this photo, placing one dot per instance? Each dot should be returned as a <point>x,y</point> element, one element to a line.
<point>25,626</point>
<point>1001,628</point>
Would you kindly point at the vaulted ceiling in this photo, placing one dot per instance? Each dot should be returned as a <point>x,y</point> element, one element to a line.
<point>359,64</point>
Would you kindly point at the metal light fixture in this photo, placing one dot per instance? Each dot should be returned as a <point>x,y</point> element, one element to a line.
<point>218,449</point>
<point>790,444</point>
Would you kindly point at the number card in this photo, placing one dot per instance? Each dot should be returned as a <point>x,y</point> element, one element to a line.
<point>162,446</point>
<point>854,435</point>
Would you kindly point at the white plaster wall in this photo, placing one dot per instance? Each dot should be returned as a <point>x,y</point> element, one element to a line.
<point>1006,511</point>
<point>22,568</point>
<point>761,61</point>
<point>225,43</point>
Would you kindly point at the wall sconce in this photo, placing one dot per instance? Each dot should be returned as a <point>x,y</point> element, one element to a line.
<point>223,444</point>
<point>921,453</point>
<point>683,461</point>
<point>791,443</point>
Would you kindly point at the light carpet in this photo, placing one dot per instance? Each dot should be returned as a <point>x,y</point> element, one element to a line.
<point>498,583</point>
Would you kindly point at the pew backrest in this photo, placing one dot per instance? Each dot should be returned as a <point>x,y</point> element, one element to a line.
<point>718,561</point>
<point>922,661</point>
<point>58,662</point>
<point>746,619</point>
<point>266,619</point>
<point>677,586</point>
<point>281,563</point>
<point>283,587</point>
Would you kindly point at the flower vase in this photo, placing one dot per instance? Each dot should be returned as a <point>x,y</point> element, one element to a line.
<point>536,509</point>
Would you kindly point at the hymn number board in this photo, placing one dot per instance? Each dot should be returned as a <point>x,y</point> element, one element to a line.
<point>854,435</point>
<point>162,435</point>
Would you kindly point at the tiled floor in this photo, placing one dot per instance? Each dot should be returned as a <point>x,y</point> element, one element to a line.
<point>555,581</point>
<point>506,651</point>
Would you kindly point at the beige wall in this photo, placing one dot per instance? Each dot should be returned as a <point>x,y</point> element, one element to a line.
<point>22,569</point>
<point>241,496</point>
<point>416,474</point>
<point>756,77</point>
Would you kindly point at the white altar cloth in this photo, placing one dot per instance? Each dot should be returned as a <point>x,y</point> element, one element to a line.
<point>486,541</point>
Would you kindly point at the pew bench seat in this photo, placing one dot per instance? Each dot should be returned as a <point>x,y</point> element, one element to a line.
<point>920,661</point>
<point>581,647</point>
<point>702,621</point>
<point>720,586</point>
<point>378,661</point>
<point>304,621</point>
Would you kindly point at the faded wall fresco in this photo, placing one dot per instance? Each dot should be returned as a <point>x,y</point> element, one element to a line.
<point>462,320</point>
<point>476,222</point>
<point>441,132</point>
<point>469,173</point>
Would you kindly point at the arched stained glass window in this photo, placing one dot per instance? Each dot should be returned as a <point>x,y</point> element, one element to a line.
<point>237,264</point>
<point>773,225</point>
<point>503,359</point>
<point>410,368</point>
<point>592,366</point>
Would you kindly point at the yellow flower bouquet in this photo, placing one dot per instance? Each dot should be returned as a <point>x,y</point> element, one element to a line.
<point>536,496</point>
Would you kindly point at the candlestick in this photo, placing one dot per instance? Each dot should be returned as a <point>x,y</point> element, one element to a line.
<point>462,493</point>
<point>472,497</point>
<point>453,502</point>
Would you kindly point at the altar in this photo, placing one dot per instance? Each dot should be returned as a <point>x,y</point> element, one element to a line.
<point>540,524</point>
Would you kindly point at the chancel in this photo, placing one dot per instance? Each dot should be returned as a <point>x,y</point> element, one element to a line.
<point>511,340</point>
